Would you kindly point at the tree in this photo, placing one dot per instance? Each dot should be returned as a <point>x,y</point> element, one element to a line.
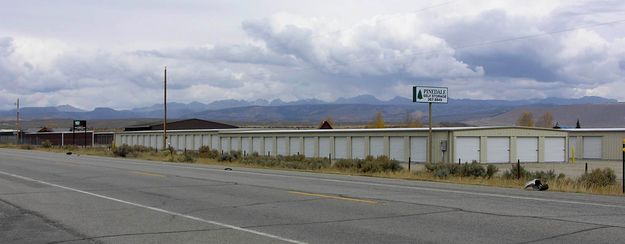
<point>546,120</point>
<point>526,119</point>
<point>412,120</point>
<point>378,121</point>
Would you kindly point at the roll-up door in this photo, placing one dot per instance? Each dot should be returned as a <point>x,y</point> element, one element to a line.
<point>592,147</point>
<point>294,145</point>
<point>281,144</point>
<point>197,142</point>
<point>527,149</point>
<point>206,140</point>
<point>340,147</point>
<point>324,147</point>
<point>159,142</point>
<point>498,149</point>
<point>235,144</point>
<point>396,144</point>
<point>309,147</point>
<point>573,147</point>
<point>245,145</point>
<point>154,142</point>
<point>174,142</point>
<point>269,146</point>
<point>555,149</point>
<point>376,146</point>
<point>225,144</point>
<point>130,140</point>
<point>468,148</point>
<point>257,144</point>
<point>358,147</point>
<point>418,149</point>
<point>189,142</point>
<point>215,142</point>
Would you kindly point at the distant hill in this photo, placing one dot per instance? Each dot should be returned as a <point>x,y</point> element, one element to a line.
<point>357,109</point>
<point>590,115</point>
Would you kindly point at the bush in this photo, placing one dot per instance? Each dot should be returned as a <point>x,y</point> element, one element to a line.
<point>512,173</point>
<point>206,152</point>
<point>26,146</point>
<point>186,157</point>
<point>598,178</point>
<point>46,144</point>
<point>369,164</point>
<point>291,162</point>
<point>491,170</point>
<point>122,151</point>
<point>474,169</point>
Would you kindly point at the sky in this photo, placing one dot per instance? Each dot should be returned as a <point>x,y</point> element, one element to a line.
<point>90,53</point>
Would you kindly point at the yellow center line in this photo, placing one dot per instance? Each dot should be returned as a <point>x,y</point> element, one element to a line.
<point>333,197</point>
<point>146,173</point>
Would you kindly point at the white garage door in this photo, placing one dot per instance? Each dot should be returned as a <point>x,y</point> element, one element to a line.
<point>527,149</point>
<point>592,147</point>
<point>235,144</point>
<point>197,142</point>
<point>189,142</point>
<point>294,145</point>
<point>498,149</point>
<point>206,140</point>
<point>554,149</point>
<point>245,145</point>
<point>154,142</point>
<point>324,147</point>
<point>215,142</point>
<point>376,146</point>
<point>175,141</point>
<point>418,149</point>
<point>358,147</point>
<point>159,142</point>
<point>269,146</point>
<point>309,147</point>
<point>281,141</point>
<point>340,147</point>
<point>256,145</point>
<point>468,149</point>
<point>225,144</point>
<point>397,148</point>
<point>573,147</point>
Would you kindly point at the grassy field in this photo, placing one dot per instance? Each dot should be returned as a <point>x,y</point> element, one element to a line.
<point>562,184</point>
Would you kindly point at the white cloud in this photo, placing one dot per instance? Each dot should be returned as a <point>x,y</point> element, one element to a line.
<point>293,51</point>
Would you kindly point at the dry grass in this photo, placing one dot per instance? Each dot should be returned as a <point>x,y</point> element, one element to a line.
<point>566,185</point>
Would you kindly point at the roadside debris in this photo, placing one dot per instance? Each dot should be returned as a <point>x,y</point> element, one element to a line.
<point>536,185</point>
<point>228,169</point>
<point>68,153</point>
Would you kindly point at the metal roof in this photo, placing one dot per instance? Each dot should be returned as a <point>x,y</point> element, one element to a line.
<point>594,129</point>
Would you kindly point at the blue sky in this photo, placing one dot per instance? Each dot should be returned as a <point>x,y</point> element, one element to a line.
<point>111,53</point>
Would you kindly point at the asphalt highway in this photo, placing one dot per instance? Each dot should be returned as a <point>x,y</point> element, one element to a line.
<point>55,198</point>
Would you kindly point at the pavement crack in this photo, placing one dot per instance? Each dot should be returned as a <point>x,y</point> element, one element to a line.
<point>249,205</point>
<point>349,220</point>
<point>566,234</point>
<point>92,238</point>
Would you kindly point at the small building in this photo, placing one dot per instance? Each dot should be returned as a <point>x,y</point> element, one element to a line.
<point>8,136</point>
<point>57,137</point>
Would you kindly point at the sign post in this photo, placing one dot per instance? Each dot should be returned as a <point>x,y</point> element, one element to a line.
<point>79,124</point>
<point>429,94</point>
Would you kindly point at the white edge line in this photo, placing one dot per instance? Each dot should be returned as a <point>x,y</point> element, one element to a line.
<point>156,209</point>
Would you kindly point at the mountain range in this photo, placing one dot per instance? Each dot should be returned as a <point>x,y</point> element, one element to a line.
<point>359,109</point>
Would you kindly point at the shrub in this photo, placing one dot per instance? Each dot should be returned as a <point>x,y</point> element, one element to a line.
<point>206,152</point>
<point>474,169</point>
<point>187,157</point>
<point>26,146</point>
<point>598,178</point>
<point>491,170</point>
<point>46,144</point>
<point>543,175</point>
<point>512,173</point>
<point>369,164</point>
<point>442,170</point>
<point>122,151</point>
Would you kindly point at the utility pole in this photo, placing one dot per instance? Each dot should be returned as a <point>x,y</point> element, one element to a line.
<point>165,110</point>
<point>17,121</point>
